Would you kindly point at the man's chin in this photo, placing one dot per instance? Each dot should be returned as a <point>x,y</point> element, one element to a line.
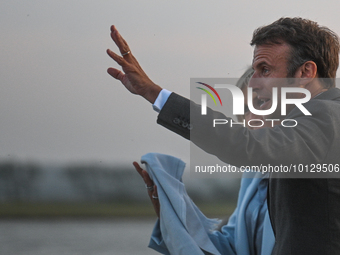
<point>275,115</point>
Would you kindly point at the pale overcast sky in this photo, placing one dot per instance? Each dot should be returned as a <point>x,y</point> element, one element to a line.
<point>58,104</point>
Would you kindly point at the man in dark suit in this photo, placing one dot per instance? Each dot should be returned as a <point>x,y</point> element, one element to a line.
<point>305,213</point>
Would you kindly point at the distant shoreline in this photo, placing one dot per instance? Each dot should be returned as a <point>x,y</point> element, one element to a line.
<point>96,210</point>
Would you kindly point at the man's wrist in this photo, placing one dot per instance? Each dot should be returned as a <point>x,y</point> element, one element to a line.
<point>152,94</point>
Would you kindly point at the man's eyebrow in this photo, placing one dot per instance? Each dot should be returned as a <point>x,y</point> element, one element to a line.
<point>260,64</point>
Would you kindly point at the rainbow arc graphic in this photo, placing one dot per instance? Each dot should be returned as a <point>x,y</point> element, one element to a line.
<point>209,93</point>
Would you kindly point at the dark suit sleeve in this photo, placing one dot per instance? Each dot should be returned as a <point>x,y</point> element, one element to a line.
<point>309,142</point>
<point>175,115</point>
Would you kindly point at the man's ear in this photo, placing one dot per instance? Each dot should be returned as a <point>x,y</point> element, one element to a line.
<point>307,72</point>
<point>309,69</point>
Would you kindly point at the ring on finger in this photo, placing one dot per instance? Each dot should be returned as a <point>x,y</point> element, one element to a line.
<point>149,187</point>
<point>126,53</point>
<point>154,197</point>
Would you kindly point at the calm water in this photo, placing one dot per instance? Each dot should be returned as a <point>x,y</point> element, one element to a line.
<point>73,237</point>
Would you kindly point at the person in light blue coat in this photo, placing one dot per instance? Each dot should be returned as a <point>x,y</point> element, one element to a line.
<point>248,230</point>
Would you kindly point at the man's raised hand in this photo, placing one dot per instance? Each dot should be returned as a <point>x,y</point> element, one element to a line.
<point>132,77</point>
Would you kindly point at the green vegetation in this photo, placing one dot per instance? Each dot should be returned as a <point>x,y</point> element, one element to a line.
<point>37,210</point>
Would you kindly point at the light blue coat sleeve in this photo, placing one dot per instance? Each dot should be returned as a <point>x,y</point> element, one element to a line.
<point>183,227</point>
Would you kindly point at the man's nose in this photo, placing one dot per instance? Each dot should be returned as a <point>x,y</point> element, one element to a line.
<point>255,83</point>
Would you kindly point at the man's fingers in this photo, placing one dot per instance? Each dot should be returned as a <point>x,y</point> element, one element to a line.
<point>115,73</point>
<point>120,60</point>
<point>119,41</point>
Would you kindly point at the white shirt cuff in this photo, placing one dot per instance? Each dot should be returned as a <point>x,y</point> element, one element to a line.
<point>161,100</point>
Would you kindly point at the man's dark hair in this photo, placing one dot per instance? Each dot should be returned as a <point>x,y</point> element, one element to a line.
<point>308,42</point>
